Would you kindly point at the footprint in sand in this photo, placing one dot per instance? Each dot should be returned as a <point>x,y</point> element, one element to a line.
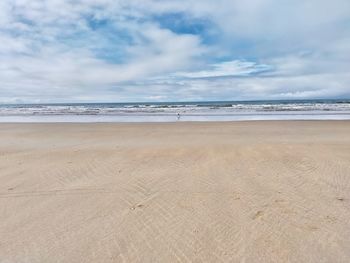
<point>137,206</point>
<point>258,214</point>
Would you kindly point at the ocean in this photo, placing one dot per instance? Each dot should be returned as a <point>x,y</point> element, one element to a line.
<point>336,109</point>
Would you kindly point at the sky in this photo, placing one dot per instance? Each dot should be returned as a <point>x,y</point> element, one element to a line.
<point>173,50</point>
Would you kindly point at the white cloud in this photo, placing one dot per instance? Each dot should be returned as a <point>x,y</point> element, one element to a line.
<point>227,69</point>
<point>270,49</point>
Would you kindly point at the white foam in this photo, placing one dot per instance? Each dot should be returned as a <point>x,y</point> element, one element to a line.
<point>168,112</point>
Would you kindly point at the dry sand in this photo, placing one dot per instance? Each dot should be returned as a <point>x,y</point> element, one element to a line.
<point>177,192</point>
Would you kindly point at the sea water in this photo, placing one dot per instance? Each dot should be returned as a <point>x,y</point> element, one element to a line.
<point>337,109</point>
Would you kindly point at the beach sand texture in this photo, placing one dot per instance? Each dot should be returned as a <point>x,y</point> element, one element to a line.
<point>175,192</point>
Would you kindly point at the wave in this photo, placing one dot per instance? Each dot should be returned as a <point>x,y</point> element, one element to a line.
<point>174,108</point>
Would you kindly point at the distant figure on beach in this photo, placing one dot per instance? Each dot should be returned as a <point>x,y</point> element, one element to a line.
<point>178,116</point>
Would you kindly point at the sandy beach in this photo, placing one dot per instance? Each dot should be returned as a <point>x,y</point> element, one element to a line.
<point>175,192</point>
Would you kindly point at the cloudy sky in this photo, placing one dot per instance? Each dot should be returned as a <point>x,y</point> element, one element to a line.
<point>173,50</point>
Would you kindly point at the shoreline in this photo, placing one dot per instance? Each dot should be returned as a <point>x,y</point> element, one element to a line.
<point>179,122</point>
<point>171,118</point>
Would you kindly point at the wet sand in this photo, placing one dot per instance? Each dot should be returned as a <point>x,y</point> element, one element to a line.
<point>175,192</point>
